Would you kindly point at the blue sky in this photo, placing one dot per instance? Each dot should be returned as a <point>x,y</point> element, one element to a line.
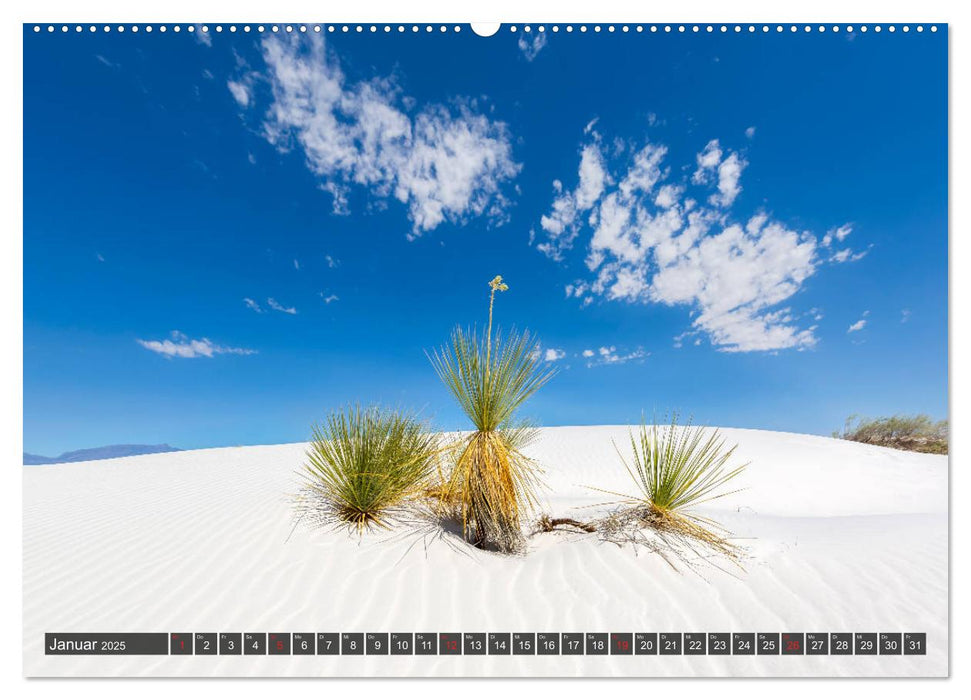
<point>226,238</point>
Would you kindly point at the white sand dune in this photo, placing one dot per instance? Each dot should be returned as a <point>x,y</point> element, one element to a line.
<point>842,537</point>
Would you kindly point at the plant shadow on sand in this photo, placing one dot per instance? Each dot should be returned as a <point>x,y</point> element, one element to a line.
<point>418,524</point>
<point>424,524</point>
<point>636,528</point>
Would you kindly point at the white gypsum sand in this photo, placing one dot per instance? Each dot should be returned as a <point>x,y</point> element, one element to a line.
<point>841,537</point>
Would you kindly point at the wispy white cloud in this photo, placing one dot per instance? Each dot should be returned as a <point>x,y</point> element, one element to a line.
<point>848,255</point>
<point>531,44</point>
<point>105,61</point>
<point>270,303</point>
<point>329,298</point>
<point>838,235</point>
<point>609,355</point>
<point>277,306</point>
<point>904,315</point>
<point>100,257</point>
<point>204,38</point>
<point>331,261</point>
<point>241,92</point>
<point>859,325</point>
<point>250,304</point>
<point>296,264</point>
<point>547,354</point>
<point>729,175</point>
<point>707,161</point>
<point>563,223</point>
<point>655,237</point>
<point>725,170</point>
<point>180,345</point>
<point>680,339</point>
<point>445,163</point>
<point>750,132</point>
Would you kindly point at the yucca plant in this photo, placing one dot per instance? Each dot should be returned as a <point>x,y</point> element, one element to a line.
<point>492,482</point>
<point>675,469</point>
<point>365,464</point>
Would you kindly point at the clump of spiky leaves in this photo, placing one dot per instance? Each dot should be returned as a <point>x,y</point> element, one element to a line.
<point>492,481</point>
<point>678,467</point>
<point>365,464</point>
<point>675,469</point>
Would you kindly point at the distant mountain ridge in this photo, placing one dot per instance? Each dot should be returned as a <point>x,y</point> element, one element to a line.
<point>92,453</point>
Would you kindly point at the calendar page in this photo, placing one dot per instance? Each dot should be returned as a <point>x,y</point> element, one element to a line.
<point>503,350</point>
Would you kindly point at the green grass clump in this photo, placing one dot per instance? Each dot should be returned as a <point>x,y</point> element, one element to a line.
<point>917,433</point>
<point>364,465</point>
<point>675,467</point>
<point>492,483</point>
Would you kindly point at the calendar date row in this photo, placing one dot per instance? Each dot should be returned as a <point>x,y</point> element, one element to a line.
<point>490,643</point>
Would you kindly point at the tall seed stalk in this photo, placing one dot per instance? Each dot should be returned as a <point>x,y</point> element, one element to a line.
<point>493,482</point>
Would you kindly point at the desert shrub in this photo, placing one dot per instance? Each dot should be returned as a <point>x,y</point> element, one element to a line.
<point>492,482</point>
<point>918,433</point>
<point>365,464</point>
<point>675,468</point>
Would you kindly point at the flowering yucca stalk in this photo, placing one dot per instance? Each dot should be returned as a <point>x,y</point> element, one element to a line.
<point>492,481</point>
<point>363,465</point>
